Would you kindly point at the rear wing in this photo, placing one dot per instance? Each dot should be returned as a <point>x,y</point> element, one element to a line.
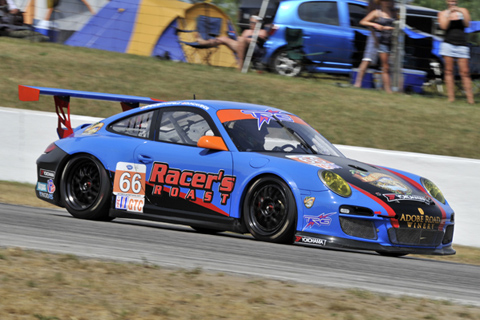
<point>62,102</point>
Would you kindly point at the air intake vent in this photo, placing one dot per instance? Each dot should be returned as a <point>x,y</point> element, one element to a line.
<point>448,237</point>
<point>358,228</point>
<point>415,237</point>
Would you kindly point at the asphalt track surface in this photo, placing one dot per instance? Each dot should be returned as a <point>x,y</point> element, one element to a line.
<point>179,246</point>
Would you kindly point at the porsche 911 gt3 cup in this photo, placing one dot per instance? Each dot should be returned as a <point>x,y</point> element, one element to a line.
<point>230,166</point>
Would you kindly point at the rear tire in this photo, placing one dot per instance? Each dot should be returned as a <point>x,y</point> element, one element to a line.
<point>269,210</point>
<point>86,188</point>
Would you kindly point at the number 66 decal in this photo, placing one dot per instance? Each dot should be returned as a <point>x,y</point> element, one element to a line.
<point>129,186</point>
<point>130,178</point>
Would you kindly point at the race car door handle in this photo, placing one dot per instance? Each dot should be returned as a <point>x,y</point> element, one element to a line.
<point>144,159</point>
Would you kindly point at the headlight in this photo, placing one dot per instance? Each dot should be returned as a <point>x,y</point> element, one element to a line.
<point>335,183</point>
<point>433,190</point>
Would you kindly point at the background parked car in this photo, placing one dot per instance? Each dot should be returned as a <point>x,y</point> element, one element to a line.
<point>333,38</point>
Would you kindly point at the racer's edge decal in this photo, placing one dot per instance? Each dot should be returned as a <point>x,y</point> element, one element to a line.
<point>164,178</point>
<point>129,186</point>
<point>393,197</point>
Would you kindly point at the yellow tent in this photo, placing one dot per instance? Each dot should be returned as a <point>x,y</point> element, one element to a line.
<point>157,21</point>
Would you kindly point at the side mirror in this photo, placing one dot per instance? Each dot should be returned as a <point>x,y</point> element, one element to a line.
<point>212,142</point>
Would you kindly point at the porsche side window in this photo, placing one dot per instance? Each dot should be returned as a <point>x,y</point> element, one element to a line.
<point>183,127</point>
<point>137,125</point>
<point>320,12</point>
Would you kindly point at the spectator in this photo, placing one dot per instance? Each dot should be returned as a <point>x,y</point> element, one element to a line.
<point>382,20</point>
<point>12,8</point>
<point>370,55</point>
<point>240,45</point>
<point>454,20</point>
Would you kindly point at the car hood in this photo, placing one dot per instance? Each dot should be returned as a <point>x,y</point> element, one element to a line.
<point>400,194</point>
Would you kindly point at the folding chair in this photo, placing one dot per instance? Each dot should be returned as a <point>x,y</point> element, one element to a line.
<point>295,49</point>
<point>207,28</point>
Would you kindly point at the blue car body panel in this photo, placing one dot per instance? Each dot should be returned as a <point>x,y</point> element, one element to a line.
<point>388,210</point>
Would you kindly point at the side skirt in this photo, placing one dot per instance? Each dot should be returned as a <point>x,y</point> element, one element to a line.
<point>221,224</point>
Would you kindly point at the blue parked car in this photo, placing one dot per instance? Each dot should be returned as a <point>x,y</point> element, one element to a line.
<point>331,32</point>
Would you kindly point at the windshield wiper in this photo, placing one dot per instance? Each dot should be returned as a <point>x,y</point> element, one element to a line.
<point>295,134</point>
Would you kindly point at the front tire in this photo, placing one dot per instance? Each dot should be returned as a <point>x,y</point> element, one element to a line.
<point>269,210</point>
<point>285,66</point>
<point>86,188</point>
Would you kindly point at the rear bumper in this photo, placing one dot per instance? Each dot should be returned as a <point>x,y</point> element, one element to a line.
<point>49,166</point>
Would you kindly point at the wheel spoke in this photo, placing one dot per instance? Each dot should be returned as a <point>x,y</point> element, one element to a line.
<point>84,186</point>
<point>268,209</point>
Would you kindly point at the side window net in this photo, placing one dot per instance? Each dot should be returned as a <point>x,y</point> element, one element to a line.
<point>183,127</point>
<point>135,126</point>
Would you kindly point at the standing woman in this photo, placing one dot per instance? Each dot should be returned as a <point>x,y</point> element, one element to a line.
<point>382,20</point>
<point>370,53</point>
<point>454,20</point>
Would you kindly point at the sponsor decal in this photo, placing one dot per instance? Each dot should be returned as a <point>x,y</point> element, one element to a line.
<point>311,240</point>
<point>316,161</point>
<point>267,115</point>
<point>383,181</point>
<point>308,202</point>
<point>93,128</point>
<point>129,186</point>
<point>420,221</point>
<point>50,186</point>
<point>194,104</point>
<point>129,203</point>
<point>45,195</point>
<point>392,197</point>
<point>42,186</point>
<point>323,219</point>
<point>162,175</point>
<point>47,173</point>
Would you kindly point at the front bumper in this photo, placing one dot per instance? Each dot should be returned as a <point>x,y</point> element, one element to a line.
<point>328,241</point>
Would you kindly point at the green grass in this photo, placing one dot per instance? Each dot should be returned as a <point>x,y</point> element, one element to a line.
<point>348,116</point>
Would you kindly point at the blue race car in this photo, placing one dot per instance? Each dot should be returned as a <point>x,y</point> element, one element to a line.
<point>229,166</point>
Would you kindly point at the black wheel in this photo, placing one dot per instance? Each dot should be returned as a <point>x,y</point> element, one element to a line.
<point>391,254</point>
<point>269,210</point>
<point>285,66</point>
<point>86,188</point>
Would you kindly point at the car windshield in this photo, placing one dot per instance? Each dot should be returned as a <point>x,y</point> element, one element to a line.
<point>277,133</point>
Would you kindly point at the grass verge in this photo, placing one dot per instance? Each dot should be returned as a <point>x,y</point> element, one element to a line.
<point>345,115</point>
<point>43,286</point>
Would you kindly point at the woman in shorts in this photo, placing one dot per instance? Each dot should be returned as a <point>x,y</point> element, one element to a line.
<point>454,20</point>
<point>382,20</point>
